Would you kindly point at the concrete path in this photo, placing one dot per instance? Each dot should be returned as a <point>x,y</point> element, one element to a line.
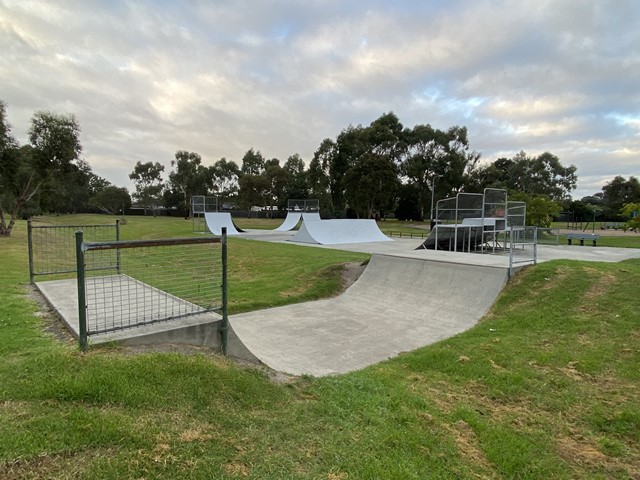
<point>397,305</point>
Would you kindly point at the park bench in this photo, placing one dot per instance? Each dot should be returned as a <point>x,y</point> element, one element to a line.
<point>582,237</point>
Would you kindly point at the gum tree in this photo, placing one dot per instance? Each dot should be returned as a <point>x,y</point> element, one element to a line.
<point>54,146</point>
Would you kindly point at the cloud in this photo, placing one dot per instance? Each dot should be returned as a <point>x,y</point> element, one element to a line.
<point>148,78</point>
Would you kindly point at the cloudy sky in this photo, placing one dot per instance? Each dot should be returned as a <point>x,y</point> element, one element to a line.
<point>217,77</point>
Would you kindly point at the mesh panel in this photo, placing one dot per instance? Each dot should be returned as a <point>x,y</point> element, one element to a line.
<point>154,283</point>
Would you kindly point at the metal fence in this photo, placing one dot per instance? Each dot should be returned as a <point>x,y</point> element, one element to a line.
<point>201,204</point>
<point>152,281</point>
<point>523,247</point>
<point>52,247</point>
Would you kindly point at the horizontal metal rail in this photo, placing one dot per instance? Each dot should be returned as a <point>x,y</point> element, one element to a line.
<point>391,233</point>
<point>86,246</point>
<point>50,227</point>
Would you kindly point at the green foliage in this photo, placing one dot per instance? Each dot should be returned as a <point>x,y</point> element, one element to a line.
<point>408,206</point>
<point>189,178</point>
<point>541,210</point>
<point>632,212</point>
<point>147,178</point>
<point>112,200</point>
<point>224,175</point>
<point>541,175</point>
<point>619,192</point>
<point>42,176</point>
<point>252,163</point>
<point>56,141</point>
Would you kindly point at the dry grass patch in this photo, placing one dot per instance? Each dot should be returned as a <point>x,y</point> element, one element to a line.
<point>60,466</point>
<point>467,444</point>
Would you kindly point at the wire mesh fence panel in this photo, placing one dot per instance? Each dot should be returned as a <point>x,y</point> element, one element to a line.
<point>52,248</point>
<point>156,281</point>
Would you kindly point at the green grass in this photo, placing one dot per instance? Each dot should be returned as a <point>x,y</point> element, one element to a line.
<point>547,385</point>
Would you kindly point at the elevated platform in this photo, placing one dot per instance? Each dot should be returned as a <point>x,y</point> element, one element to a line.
<point>200,329</point>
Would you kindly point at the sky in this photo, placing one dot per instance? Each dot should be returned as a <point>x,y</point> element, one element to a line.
<point>147,78</point>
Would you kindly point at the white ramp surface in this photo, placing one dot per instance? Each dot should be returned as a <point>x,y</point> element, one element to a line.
<point>332,232</point>
<point>290,222</point>
<point>397,305</point>
<point>217,220</point>
<point>310,216</point>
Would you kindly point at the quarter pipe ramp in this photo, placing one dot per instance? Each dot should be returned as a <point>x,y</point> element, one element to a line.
<point>332,232</point>
<point>216,220</point>
<point>397,304</point>
<point>293,218</point>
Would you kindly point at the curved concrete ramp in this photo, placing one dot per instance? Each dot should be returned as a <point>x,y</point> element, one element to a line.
<point>311,216</point>
<point>398,304</point>
<point>290,222</point>
<point>216,220</point>
<point>332,232</point>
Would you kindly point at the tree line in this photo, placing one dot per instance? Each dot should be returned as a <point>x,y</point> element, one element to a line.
<point>366,171</point>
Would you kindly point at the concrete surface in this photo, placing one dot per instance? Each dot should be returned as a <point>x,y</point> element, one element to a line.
<point>199,329</point>
<point>398,304</point>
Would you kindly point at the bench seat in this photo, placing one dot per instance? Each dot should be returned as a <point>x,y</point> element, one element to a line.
<point>582,237</point>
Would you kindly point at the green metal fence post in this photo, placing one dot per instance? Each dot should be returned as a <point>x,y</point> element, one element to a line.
<point>82,303</point>
<point>118,265</point>
<point>224,327</point>
<point>30,243</point>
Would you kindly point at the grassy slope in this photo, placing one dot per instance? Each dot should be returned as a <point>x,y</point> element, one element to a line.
<point>546,386</point>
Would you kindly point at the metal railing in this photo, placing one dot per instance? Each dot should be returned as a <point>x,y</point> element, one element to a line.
<point>152,281</point>
<point>52,247</point>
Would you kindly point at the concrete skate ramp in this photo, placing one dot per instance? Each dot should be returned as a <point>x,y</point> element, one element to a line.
<point>310,216</point>
<point>397,305</point>
<point>293,218</point>
<point>290,221</point>
<point>216,220</point>
<point>332,232</point>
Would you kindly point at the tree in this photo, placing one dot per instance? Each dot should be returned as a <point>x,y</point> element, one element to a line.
<point>56,141</point>
<point>147,178</point>
<point>54,146</point>
<point>296,185</point>
<point>541,210</point>
<point>8,167</point>
<point>617,193</point>
<point>408,207</point>
<point>318,184</point>
<point>111,200</point>
<point>252,163</point>
<point>276,179</point>
<point>631,211</point>
<point>436,154</point>
<point>319,175</point>
<point>252,190</point>
<point>225,176</point>
<point>372,183</point>
<point>189,178</point>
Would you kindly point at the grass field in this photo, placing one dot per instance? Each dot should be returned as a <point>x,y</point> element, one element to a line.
<point>547,385</point>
